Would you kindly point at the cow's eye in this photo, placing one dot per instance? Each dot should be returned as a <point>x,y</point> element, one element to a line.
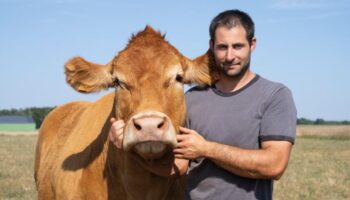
<point>121,85</point>
<point>179,78</point>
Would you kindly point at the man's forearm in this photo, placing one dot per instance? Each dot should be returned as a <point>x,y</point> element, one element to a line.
<point>260,163</point>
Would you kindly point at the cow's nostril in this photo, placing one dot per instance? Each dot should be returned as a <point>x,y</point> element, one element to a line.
<point>160,125</point>
<point>150,124</point>
<point>137,126</point>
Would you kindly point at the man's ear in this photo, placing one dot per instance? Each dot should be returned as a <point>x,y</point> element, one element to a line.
<point>253,44</point>
<point>88,77</point>
<point>202,70</point>
<point>211,45</point>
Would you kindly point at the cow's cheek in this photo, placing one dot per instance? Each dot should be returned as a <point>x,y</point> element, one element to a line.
<point>176,107</point>
<point>124,106</point>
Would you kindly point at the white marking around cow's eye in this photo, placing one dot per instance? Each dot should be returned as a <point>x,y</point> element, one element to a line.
<point>122,81</point>
<point>173,72</point>
<point>120,77</point>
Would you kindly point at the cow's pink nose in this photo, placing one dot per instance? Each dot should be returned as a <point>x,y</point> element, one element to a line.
<point>154,125</point>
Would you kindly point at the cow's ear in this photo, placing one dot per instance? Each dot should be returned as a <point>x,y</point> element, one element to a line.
<point>201,71</point>
<point>88,77</point>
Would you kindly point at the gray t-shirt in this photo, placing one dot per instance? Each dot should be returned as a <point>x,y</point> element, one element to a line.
<point>260,111</point>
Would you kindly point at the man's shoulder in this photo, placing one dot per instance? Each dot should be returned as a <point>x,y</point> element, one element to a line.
<point>197,90</point>
<point>277,92</point>
<point>198,94</point>
<point>268,85</point>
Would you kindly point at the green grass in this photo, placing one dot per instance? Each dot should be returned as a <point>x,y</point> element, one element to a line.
<point>319,169</point>
<point>17,127</point>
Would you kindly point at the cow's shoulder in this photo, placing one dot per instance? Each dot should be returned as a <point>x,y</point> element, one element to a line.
<point>62,116</point>
<point>51,138</point>
<point>69,115</point>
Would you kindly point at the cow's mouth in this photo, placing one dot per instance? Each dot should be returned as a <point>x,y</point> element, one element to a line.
<point>151,135</point>
<point>152,150</point>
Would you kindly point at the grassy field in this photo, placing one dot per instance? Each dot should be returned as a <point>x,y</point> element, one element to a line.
<point>319,167</point>
<point>16,167</point>
<point>328,131</point>
<point>17,127</point>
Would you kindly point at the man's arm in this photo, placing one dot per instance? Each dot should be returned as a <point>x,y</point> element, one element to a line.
<point>268,162</point>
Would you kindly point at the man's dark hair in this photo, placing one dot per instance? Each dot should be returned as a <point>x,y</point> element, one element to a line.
<point>230,19</point>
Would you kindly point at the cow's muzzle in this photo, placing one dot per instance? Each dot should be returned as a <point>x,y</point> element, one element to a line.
<point>149,134</point>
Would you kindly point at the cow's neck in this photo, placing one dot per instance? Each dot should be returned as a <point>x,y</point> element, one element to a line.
<point>137,182</point>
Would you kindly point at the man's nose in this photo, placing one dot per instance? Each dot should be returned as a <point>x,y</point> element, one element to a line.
<point>230,55</point>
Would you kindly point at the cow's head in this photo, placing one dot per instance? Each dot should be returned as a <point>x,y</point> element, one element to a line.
<point>149,75</point>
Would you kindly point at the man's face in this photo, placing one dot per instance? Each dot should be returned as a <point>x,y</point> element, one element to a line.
<point>232,50</point>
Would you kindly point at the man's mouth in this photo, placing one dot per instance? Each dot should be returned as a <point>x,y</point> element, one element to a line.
<point>230,65</point>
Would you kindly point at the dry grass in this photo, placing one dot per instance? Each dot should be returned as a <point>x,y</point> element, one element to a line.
<point>18,133</point>
<point>338,131</point>
<point>318,168</point>
<point>16,167</point>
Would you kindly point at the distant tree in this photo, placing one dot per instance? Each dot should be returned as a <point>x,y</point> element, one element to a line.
<point>12,111</point>
<point>304,121</point>
<point>345,122</point>
<point>39,115</point>
<point>319,121</point>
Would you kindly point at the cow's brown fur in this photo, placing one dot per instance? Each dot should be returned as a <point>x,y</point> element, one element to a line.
<point>74,158</point>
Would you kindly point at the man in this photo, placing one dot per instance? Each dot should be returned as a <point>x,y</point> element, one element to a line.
<point>239,131</point>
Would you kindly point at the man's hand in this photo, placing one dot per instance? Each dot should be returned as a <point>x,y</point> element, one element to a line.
<point>116,132</point>
<point>190,145</point>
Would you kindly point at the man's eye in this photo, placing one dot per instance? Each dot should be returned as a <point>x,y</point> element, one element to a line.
<point>221,47</point>
<point>238,46</point>
<point>179,78</point>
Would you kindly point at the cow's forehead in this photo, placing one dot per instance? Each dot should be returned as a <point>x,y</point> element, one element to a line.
<point>148,52</point>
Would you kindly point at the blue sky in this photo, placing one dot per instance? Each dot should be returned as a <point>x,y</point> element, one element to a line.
<point>301,43</point>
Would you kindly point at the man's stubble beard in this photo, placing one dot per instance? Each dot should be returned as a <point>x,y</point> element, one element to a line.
<point>236,75</point>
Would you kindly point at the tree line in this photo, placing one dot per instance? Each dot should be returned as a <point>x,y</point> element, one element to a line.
<point>320,121</point>
<point>38,115</point>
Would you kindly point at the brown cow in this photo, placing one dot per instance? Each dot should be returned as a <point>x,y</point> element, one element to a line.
<point>75,159</point>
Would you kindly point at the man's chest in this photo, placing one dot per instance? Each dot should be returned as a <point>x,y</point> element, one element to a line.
<point>227,124</point>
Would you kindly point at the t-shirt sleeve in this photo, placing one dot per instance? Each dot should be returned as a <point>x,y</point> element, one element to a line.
<point>279,118</point>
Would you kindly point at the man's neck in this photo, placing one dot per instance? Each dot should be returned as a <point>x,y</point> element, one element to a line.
<point>229,84</point>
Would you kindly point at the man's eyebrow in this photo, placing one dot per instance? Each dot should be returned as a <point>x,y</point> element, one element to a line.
<point>238,44</point>
<point>222,45</point>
